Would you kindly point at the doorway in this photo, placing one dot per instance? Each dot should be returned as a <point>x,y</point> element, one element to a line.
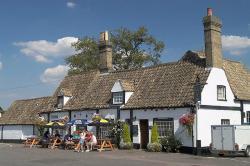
<point>144,133</point>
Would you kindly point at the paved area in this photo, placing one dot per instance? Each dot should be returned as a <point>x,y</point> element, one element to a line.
<point>17,155</point>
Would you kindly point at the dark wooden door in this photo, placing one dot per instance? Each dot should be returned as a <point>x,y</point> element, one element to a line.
<point>144,133</point>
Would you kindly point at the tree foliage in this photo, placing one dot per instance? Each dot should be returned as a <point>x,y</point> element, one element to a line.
<point>154,134</point>
<point>131,49</point>
<point>86,57</point>
<point>125,134</point>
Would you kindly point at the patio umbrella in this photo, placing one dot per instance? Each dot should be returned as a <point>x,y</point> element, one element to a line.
<point>102,122</point>
<point>78,122</point>
<point>54,124</point>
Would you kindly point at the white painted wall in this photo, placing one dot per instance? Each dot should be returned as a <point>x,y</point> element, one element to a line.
<point>246,107</point>
<point>65,99</point>
<point>127,96</point>
<point>17,132</point>
<point>85,114</point>
<point>57,115</point>
<point>108,113</point>
<point>208,117</point>
<point>117,87</point>
<point>149,114</point>
<point>209,92</point>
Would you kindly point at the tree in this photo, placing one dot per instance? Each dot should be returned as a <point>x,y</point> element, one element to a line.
<point>86,57</point>
<point>131,49</point>
<point>154,134</point>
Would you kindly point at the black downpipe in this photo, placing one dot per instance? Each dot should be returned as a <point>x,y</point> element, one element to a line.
<point>242,112</point>
<point>131,124</point>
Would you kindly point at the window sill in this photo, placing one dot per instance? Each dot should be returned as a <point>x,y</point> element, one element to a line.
<point>221,99</point>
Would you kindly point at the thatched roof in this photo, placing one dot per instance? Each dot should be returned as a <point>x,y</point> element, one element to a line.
<point>25,111</point>
<point>239,79</point>
<point>166,85</point>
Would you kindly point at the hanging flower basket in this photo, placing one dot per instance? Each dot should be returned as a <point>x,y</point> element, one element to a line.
<point>96,118</point>
<point>187,120</point>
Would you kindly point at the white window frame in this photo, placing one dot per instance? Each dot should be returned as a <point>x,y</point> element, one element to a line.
<point>221,93</point>
<point>164,126</point>
<point>118,97</point>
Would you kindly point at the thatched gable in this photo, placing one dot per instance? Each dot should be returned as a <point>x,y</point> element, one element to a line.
<point>25,111</point>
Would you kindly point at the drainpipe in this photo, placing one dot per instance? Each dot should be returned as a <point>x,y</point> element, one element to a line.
<point>2,133</point>
<point>242,112</point>
<point>131,124</point>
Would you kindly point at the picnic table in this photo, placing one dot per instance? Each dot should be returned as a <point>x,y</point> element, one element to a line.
<point>55,142</point>
<point>31,141</point>
<point>104,144</point>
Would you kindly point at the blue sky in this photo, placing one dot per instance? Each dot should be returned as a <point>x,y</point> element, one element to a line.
<point>35,36</point>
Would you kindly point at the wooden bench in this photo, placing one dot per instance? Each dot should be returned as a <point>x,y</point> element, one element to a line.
<point>31,142</point>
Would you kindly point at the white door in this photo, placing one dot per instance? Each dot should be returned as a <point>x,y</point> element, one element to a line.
<point>217,138</point>
<point>228,137</point>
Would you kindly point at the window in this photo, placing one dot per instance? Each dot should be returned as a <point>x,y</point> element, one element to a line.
<point>60,102</point>
<point>225,121</point>
<point>105,132</point>
<point>248,117</point>
<point>221,92</point>
<point>118,97</point>
<point>165,126</point>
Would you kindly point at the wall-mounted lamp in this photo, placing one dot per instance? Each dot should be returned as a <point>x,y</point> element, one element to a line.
<point>134,118</point>
<point>86,116</point>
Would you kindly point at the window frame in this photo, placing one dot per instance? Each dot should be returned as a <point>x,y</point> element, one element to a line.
<point>248,117</point>
<point>60,102</point>
<point>121,98</point>
<point>224,90</point>
<point>168,120</point>
<point>225,121</point>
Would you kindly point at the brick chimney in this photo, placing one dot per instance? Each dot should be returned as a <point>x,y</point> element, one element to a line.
<point>212,37</point>
<point>105,53</point>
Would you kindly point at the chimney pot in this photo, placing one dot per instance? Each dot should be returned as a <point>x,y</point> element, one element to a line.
<point>104,36</point>
<point>209,12</point>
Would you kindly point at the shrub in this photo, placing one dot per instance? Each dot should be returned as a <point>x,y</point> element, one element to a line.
<point>170,143</point>
<point>126,143</point>
<point>126,135</point>
<point>154,147</point>
<point>154,134</point>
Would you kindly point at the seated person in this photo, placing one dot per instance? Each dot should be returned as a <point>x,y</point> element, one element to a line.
<point>92,142</point>
<point>80,145</point>
<point>57,136</point>
<point>46,139</point>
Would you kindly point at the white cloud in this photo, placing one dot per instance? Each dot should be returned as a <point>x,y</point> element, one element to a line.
<point>1,65</point>
<point>71,4</point>
<point>55,74</point>
<point>235,45</point>
<point>43,50</point>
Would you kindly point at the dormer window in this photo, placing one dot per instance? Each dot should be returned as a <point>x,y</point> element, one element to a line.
<point>121,91</point>
<point>221,92</point>
<point>118,97</point>
<point>62,98</point>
